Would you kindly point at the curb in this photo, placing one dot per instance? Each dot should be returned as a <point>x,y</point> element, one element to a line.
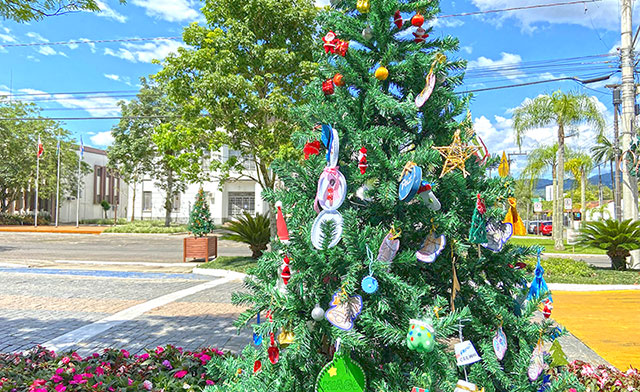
<point>591,287</point>
<point>219,273</point>
<point>572,255</point>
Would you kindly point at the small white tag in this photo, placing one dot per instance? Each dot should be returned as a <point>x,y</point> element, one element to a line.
<point>466,354</point>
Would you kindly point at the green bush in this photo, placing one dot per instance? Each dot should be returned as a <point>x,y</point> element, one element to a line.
<point>250,230</point>
<point>121,221</point>
<point>555,266</point>
<point>617,238</point>
<point>24,219</point>
<point>147,226</point>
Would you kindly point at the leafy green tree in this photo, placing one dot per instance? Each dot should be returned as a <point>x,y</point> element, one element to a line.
<point>236,83</point>
<point>539,161</point>
<point>580,165</point>
<point>374,326</point>
<point>137,150</point>
<point>18,147</point>
<point>250,230</point>
<point>22,11</point>
<point>200,223</point>
<point>566,111</point>
<point>617,238</point>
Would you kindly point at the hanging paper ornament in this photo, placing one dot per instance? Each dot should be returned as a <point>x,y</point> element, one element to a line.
<point>342,47</point>
<point>420,35</point>
<point>498,234</point>
<point>332,190</point>
<point>344,310</point>
<point>367,33</point>
<point>431,79</point>
<point>317,236</point>
<point>536,364</point>
<point>273,352</point>
<point>317,313</point>
<point>417,20</point>
<point>547,307</point>
<point>456,155</point>
<point>369,283</point>
<point>332,142</point>
<point>478,229</point>
<point>389,247</point>
<point>558,357</point>
<point>410,182</point>
<point>465,386</point>
<point>500,343</point>
<point>330,42</point>
<point>342,374</point>
<point>311,148</point>
<point>338,80</point>
<point>425,191</point>
<point>362,160</point>
<point>397,19</point>
<point>285,338</point>
<point>421,336</point>
<point>539,287</point>
<point>503,169</point>
<point>257,339</point>
<point>432,246</point>
<point>364,6</point>
<point>514,218</point>
<point>328,87</point>
<point>281,225</point>
<point>466,354</point>
<point>257,366</point>
<point>382,73</point>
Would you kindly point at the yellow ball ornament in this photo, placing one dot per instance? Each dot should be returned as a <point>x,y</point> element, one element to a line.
<point>382,73</point>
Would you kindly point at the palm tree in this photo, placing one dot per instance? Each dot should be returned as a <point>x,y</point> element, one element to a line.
<point>566,111</point>
<point>580,164</point>
<point>617,238</point>
<point>539,161</point>
<point>604,152</point>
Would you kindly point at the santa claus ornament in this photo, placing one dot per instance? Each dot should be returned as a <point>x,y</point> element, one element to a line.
<point>397,19</point>
<point>281,225</point>
<point>362,160</point>
<point>330,42</point>
<point>311,148</point>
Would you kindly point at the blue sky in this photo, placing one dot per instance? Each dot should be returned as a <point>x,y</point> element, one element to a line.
<point>502,49</point>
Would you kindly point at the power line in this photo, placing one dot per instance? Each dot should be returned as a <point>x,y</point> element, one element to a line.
<point>572,78</point>
<point>81,118</point>
<point>74,93</point>
<point>518,8</point>
<point>98,41</point>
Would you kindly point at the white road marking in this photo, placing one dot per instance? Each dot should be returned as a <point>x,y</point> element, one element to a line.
<point>137,263</point>
<point>71,339</point>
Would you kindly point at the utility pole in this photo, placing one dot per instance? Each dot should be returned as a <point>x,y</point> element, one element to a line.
<point>629,182</point>
<point>617,190</point>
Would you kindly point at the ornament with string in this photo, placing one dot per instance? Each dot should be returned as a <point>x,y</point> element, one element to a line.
<point>536,363</point>
<point>341,374</point>
<point>281,225</point>
<point>421,336</point>
<point>500,341</point>
<point>432,246</point>
<point>370,283</point>
<point>456,155</point>
<point>362,160</point>
<point>343,310</point>
<point>466,353</point>
<point>273,352</point>
<point>257,339</point>
<point>440,59</point>
<point>390,246</point>
<point>285,274</point>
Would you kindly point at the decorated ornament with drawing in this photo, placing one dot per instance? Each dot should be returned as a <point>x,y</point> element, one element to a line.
<point>500,343</point>
<point>536,364</point>
<point>421,336</point>
<point>497,235</point>
<point>426,192</point>
<point>369,283</point>
<point>466,354</point>
<point>389,247</point>
<point>432,246</point>
<point>344,310</point>
<point>332,190</point>
<point>317,236</point>
<point>465,386</point>
<point>342,374</point>
<point>410,182</point>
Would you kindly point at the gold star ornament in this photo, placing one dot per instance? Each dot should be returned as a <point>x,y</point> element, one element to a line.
<point>456,155</point>
<point>333,371</point>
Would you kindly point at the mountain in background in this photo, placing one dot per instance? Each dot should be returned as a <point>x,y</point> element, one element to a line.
<point>568,184</point>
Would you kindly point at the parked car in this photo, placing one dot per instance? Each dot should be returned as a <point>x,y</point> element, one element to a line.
<point>532,227</point>
<point>546,228</point>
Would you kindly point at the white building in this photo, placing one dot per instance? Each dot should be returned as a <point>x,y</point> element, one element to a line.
<point>225,203</point>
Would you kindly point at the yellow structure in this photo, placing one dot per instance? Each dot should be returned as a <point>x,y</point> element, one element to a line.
<point>514,218</point>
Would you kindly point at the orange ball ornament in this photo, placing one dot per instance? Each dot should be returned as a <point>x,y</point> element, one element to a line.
<point>382,73</point>
<point>338,80</point>
<point>417,20</point>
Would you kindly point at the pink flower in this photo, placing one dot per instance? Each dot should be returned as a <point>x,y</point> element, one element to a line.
<point>65,360</point>
<point>38,382</point>
<point>60,388</point>
<point>210,382</point>
<point>180,374</point>
<point>618,383</point>
<point>125,353</point>
<point>130,381</point>
<point>159,350</point>
<point>147,385</point>
<point>40,390</point>
<point>111,389</point>
<point>59,371</point>
<point>96,385</point>
<point>144,357</point>
<point>99,371</point>
<point>95,355</point>
<point>56,378</point>
<point>75,356</point>
<point>571,390</point>
<point>205,358</point>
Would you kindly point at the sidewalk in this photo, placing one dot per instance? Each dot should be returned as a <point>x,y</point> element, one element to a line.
<point>53,229</point>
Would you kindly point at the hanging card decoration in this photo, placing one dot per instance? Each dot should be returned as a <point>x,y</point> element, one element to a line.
<point>344,310</point>
<point>317,236</point>
<point>421,336</point>
<point>466,354</point>
<point>410,182</point>
<point>332,190</point>
<point>536,364</point>
<point>498,234</point>
<point>539,286</point>
<point>430,84</point>
<point>456,155</point>
<point>558,357</point>
<point>465,386</point>
<point>389,246</point>
<point>500,343</point>
<point>342,374</point>
<point>432,246</point>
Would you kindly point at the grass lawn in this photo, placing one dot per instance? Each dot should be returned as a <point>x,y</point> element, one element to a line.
<point>147,226</point>
<point>559,270</point>
<point>232,263</point>
<point>548,246</point>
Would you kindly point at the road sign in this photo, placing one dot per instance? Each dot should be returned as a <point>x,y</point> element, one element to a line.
<point>568,204</point>
<point>537,206</point>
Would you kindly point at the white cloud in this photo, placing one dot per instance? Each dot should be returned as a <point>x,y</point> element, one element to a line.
<point>7,38</point>
<point>322,3</point>
<point>37,36</point>
<point>108,12</point>
<point>73,46</point>
<point>112,77</point>
<point>97,105</point>
<point>49,51</point>
<point>145,52</point>
<point>33,58</point>
<point>102,139</point>
<point>447,22</point>
<point>507,66</point>
<point>92,46</point>
<point>467,49</point>
<point>170,10</point>
<point>603,14</point>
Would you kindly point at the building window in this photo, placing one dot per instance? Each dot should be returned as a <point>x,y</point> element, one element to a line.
<point>146,201</point>
<point>176,203</point>
<point>240,202</point>
<point>98,178</point>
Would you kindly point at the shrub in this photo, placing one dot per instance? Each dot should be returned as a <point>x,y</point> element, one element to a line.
<point>555,266</point>
<point>44,218</point>
<point>250,230</point>
<point>617,238</point>
<point>165,368</point>
<point>605,378</point>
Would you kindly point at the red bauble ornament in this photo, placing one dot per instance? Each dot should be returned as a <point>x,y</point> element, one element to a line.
<point>338,80</point>
<point>417,20</point>
<point>257,366</point>
<point>342,47</point>
<point>328,87</point>
<point>272,351</point>
<point>397,19</point>
<point>312,148</point>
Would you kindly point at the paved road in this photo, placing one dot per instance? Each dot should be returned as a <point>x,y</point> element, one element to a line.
<point>90,310</point>
<point>25,247</point>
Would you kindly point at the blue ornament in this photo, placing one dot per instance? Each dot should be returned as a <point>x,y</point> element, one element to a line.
<point>257,339</point>
<point>538,286</point>
<point>369,284</point>
<point>410,183</point>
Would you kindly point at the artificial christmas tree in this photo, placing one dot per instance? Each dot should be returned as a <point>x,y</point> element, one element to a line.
<point>200,246</point>
<point>329,246</point>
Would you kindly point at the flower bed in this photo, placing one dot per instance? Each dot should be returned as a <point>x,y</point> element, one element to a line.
<point>163,369</point>
<point>605,378</point>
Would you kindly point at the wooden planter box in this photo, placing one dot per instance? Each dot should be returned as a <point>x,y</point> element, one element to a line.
<point>200,248</point>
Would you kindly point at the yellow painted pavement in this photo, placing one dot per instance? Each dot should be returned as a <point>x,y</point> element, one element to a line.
<point>606,321</point>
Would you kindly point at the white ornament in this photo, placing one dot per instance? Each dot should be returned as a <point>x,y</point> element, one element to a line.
<point>367,33</point>
<point>317,313</point>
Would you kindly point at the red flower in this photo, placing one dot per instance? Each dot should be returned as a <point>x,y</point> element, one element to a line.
<point>180,374</point>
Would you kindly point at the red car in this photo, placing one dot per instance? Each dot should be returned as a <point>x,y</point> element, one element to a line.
<point>546,228</point>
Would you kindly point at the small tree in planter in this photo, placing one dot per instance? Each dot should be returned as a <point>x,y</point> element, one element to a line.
<point>200,245</point>
<point>617,238</point>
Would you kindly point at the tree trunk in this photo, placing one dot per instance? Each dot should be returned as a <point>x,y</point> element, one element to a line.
<point>168,203</point>
<point>583,196</point>
<point>613,189</point>
<point>133,202</point>
<point>558,224</point>
<point>554,186</point>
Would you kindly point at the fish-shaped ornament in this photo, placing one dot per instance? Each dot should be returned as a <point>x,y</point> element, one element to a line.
<point>431,248</point>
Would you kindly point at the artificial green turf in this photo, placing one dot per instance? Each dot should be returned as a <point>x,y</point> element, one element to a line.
<point>562,270</point>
